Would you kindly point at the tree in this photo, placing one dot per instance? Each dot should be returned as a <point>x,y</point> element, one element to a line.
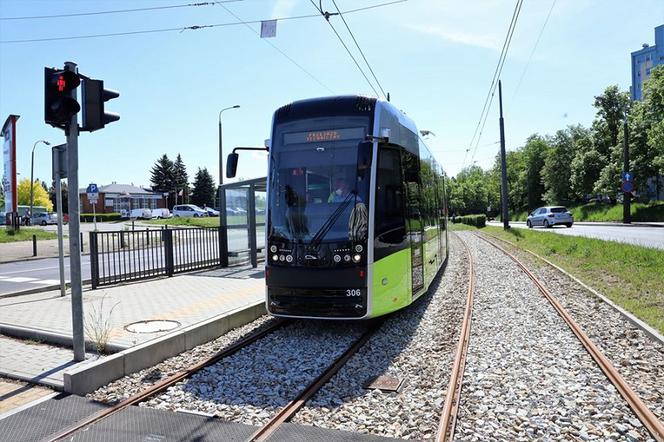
<point>611,107</point>
<point>204,188</point>
<point>163,178</point>
<point>557,170</point>
<point>65,197</point>
<point>181,178</point>
<point>40,195</point>
<point>534,154</point>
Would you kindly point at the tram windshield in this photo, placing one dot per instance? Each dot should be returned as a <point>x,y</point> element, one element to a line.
<point>319,190</point>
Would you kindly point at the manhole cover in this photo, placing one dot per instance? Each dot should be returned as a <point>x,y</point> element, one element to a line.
<point>152,326</point>
<point>384,383</point>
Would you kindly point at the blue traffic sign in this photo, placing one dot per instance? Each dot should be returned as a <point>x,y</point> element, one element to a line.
<point>627,186</point>
<point>627,176</point>
<point>92,188</point>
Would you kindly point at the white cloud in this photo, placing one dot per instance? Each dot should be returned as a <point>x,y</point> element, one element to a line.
<point>462,37</point>
<point>282,8</point>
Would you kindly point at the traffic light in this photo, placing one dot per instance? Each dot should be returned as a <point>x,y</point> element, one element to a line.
<point>93,97</point>
<point>59,105</point>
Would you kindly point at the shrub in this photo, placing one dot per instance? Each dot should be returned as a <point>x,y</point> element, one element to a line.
<point>101,217</point>
<point>472,220</point>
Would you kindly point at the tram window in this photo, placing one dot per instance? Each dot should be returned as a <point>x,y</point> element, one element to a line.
<point>390,225</point>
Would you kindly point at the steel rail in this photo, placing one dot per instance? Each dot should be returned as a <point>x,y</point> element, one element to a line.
<point>447,423</point>
<point>165,383</point>
<point>286,413</point>
<point>647,417</point>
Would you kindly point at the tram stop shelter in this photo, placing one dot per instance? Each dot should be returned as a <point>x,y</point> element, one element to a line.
<point>242,207</point>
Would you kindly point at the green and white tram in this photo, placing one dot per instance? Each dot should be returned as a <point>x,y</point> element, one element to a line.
<point>356,220</point>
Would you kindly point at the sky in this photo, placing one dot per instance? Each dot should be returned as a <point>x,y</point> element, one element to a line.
<point>435,58</point>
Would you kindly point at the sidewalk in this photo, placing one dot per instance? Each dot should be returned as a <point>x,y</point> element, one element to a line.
<point>46,317</point>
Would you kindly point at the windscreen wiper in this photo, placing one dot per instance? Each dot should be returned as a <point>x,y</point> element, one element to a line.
<point>327,225</point>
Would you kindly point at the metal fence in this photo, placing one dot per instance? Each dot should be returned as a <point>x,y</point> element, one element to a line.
<point>141,254</point>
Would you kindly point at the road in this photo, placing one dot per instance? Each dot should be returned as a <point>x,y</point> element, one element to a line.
<point>638,235</point>
<point>34,274</point>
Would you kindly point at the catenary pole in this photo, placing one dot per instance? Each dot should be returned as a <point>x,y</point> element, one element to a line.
<point>503,161</point>
<point>74,232</point>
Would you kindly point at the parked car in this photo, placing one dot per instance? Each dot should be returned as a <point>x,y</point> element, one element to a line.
<point>549,217</point>
<point>188,210</point>
<point>140,214</point>
<point>43,219</point>
<point>161,213</point>
<point>211,212</point>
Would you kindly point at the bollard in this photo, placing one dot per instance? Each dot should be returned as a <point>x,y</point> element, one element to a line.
<point>34,245</point>
<point>81,242</point>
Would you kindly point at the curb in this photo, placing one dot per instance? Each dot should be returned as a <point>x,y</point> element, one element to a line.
<point>88,377</point>
<point>645,328</point>
<point>47,288</point>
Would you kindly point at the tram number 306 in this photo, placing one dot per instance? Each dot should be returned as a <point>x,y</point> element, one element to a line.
<point>353,292</point>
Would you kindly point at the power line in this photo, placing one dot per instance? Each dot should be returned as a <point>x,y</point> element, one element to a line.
<point>118,11</point>
<point>327,19</point>
<point>185,28</point>
<point>359,48</point>
<point>523,74</point>
<point>477,135</point>
<point>289,58</point>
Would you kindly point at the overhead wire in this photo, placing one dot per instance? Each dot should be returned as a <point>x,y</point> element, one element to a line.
<point>479,128</point>
<point>327,19</point>
<point>193,27</point>
<point>359,48</point>
<point>288,57</point>
<point>532,52</point>
<point>117,11</point>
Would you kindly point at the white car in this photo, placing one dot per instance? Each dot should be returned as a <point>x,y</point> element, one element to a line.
<point>140,214</point>
<point>188,210</point>
<point>549,217</point>
<point>161,213</point>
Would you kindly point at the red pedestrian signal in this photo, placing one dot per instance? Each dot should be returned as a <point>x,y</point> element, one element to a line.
<point>59,102</point>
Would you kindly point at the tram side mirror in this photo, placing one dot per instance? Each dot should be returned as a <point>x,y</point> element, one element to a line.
<point>364,154</point>
<point>231,165</point>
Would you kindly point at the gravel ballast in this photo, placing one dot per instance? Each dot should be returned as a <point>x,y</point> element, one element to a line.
<point>527,376</point>
<point>416,345</point>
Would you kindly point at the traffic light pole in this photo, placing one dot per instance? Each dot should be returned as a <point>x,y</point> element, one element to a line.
<point>74,232</point>
<point>627,213</point>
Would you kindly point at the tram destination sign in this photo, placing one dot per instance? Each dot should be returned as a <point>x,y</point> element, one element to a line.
<point>316,136</point>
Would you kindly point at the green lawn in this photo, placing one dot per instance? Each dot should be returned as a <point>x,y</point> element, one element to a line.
<point>602,212</point>
<point>205,221</point>
<point>25,234</point>
<point>631,276</point>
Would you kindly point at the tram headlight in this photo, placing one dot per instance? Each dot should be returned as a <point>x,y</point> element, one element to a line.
<point>275,258</point>
<point>289,258</point>
<point>357,257</point>
<point>273,248</point>
<point>347,258</point>
<point>282,258</point>
<point>359,248</point>
<point>337,258</point>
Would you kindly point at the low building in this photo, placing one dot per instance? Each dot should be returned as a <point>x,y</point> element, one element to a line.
<point>116,197</point>
<point>644,60</point>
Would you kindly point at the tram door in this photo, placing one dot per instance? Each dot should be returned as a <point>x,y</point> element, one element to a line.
<point>414,222</point>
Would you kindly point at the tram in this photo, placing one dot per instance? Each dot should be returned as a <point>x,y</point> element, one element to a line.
<point>356,221</point>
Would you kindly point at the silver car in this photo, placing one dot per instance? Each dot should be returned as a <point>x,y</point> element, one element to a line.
<point>550,216</point>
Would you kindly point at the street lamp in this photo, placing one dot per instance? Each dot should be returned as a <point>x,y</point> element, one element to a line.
<point>32,169</point>
<point>221,170</point>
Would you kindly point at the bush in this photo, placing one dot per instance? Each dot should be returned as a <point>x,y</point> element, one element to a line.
<point>101,217</point>
<point>471,220</point>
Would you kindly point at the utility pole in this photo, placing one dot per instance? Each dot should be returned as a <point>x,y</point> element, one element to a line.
<point>74,231</point>
<point>503,161</point>
<point>32,180</point>
<point>627,214</point>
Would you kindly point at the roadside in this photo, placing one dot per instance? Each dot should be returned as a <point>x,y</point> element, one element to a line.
<point>25,234</point>
<point>629,275</point>
<point>605,212</point>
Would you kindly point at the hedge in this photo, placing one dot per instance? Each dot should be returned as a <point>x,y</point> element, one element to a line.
<point>101,217</point>
<point>471,220</point>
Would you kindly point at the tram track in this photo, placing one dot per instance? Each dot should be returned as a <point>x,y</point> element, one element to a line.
<point>448,416</point>
<point>264,432</point>
<point>636,404</point>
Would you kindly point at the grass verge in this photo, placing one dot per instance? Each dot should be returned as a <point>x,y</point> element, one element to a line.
<point>631,276</point>
<point>208,221</point>
<point>25,235</point>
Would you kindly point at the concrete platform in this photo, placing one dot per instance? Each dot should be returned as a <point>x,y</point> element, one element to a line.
<point>137,423</point>
<point>205,305</point>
